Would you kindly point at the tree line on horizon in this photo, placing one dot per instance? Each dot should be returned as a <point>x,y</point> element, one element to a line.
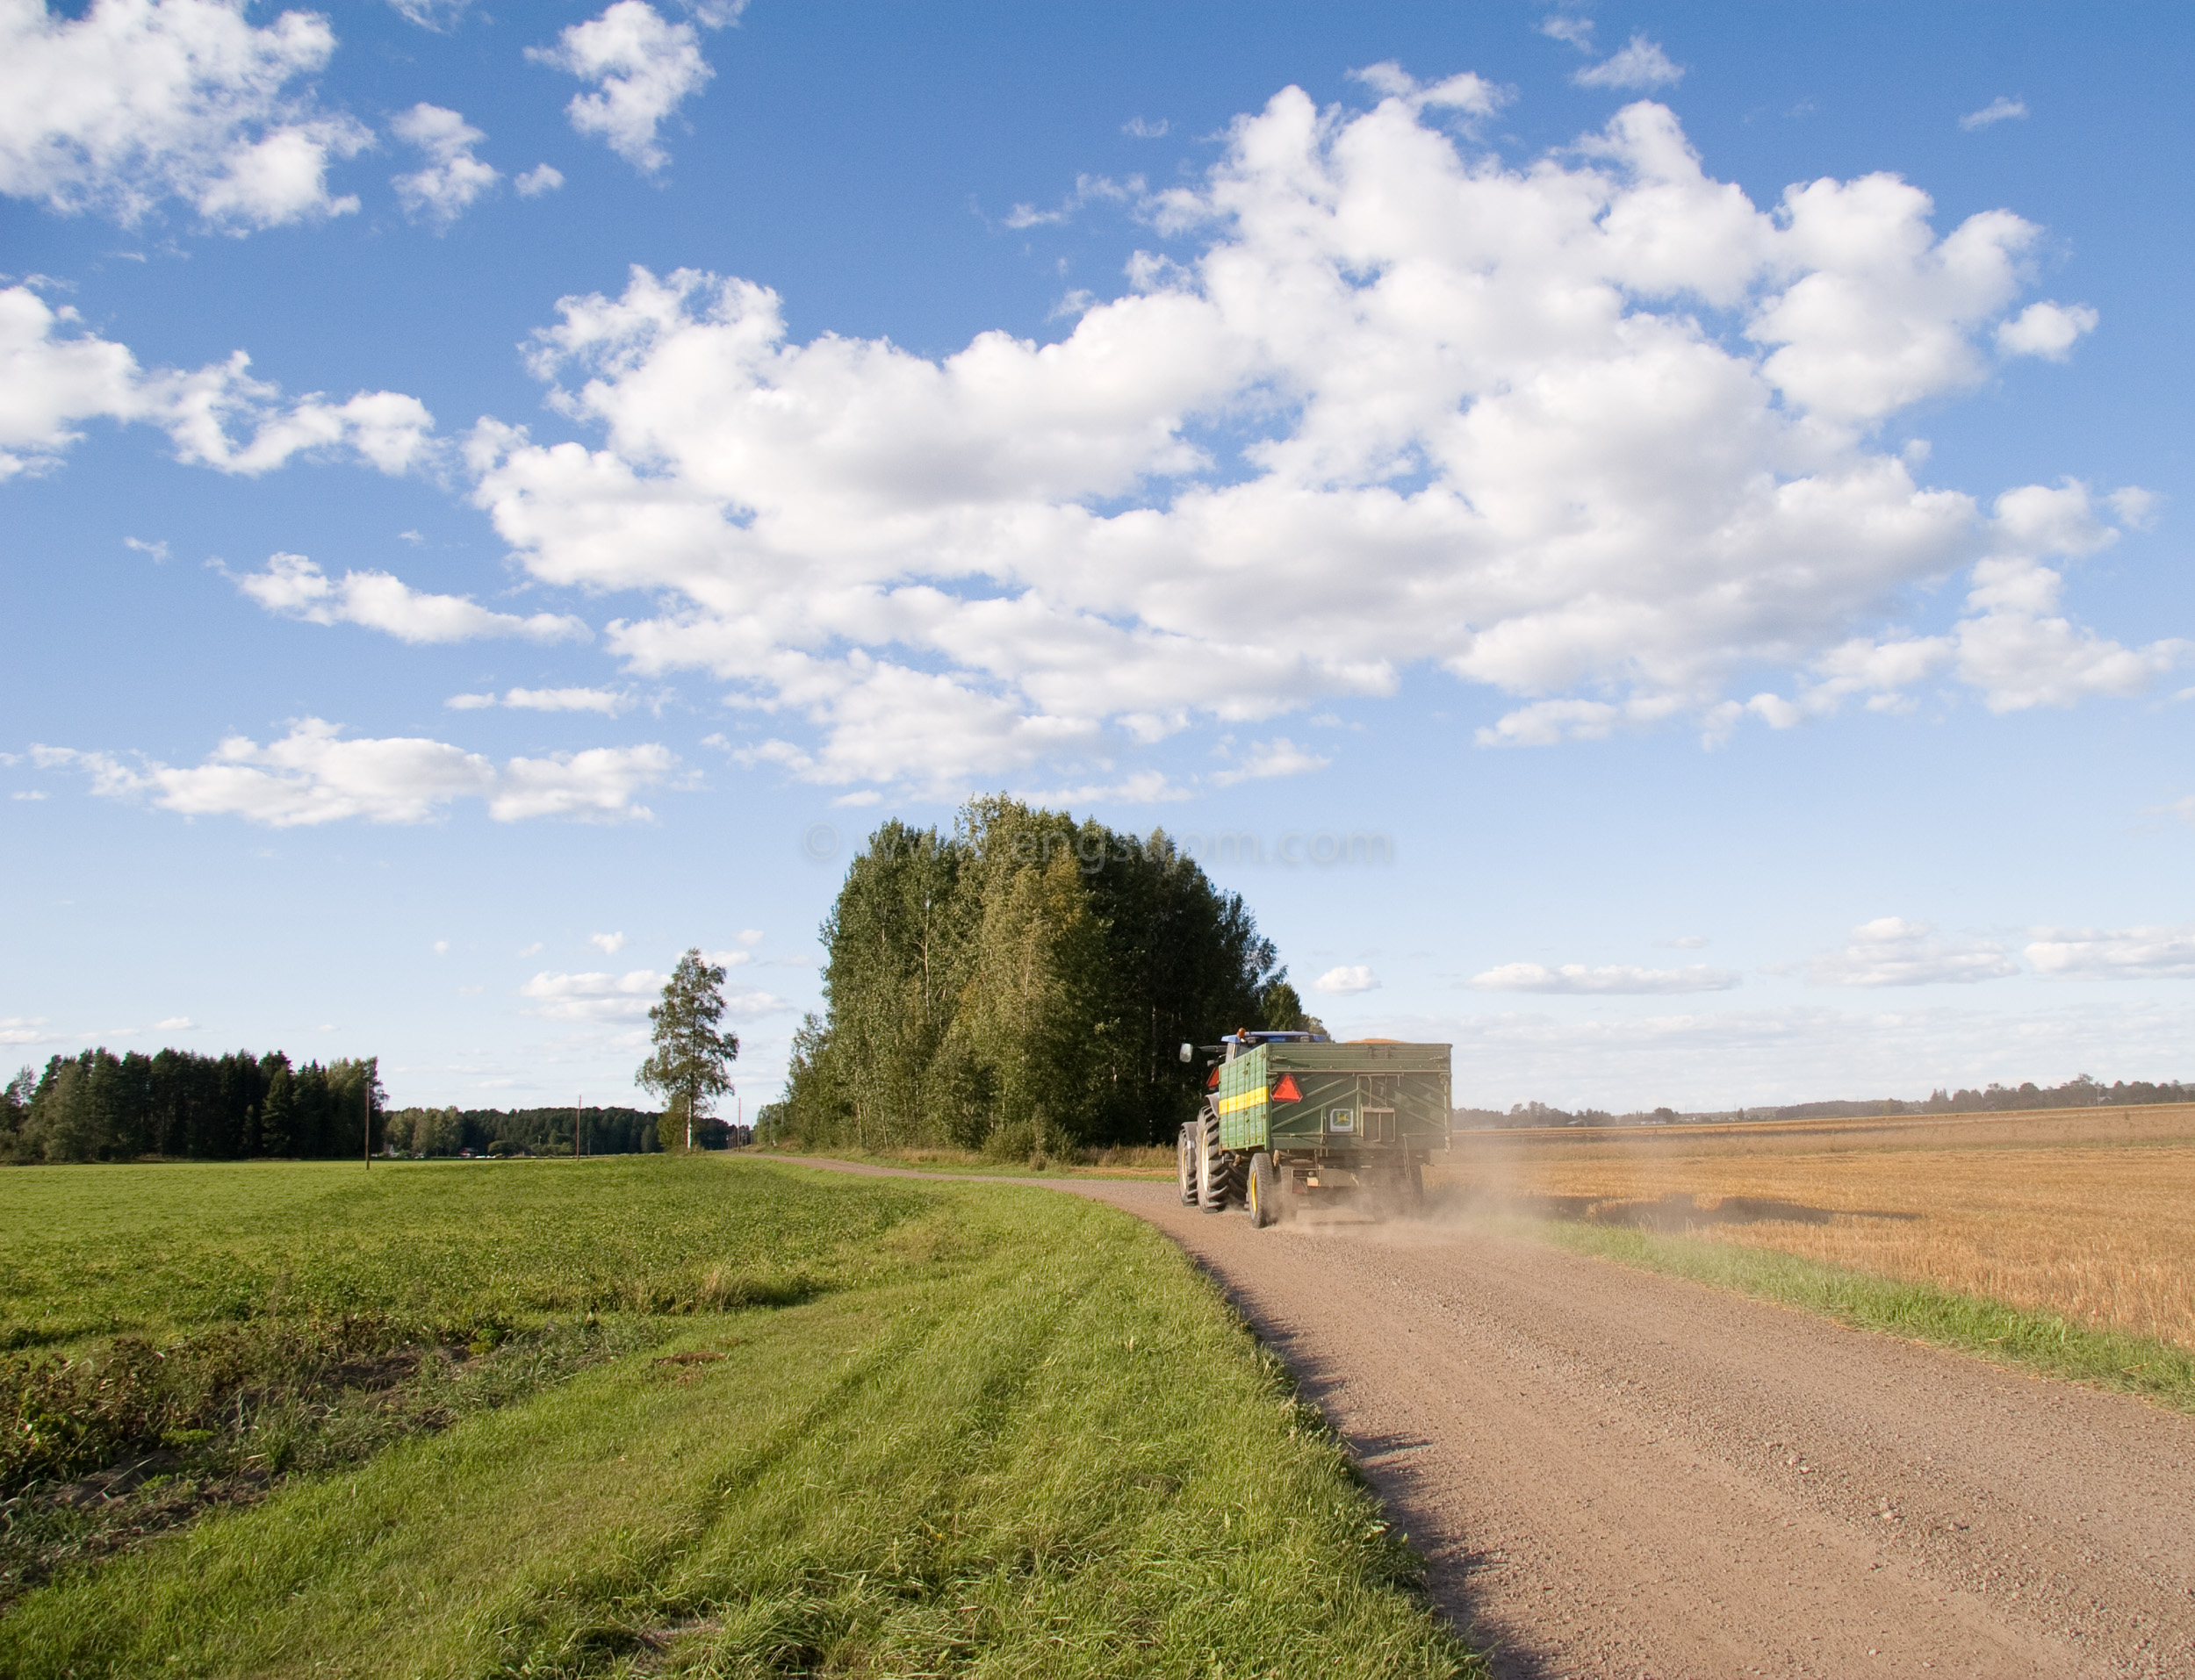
<point>96,1106</point>
<point>540,1131</point>
<point>2081,1091</point>
<point>179,1105</point>
<point>1022,982</point>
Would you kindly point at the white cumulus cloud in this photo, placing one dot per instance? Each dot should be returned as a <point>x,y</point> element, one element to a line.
<point>53,377</point>
<point>1089,190</point>
<point>1346,981</point>
<point>1473,94</point>
<point>1487,430</point>
<point>2021,652</point>
<point>2047,330</point>
<point>2114,954</point>
<point>594,997</point>
<point>1143,787</point>
<point>644,68</point>
<point>294,587</point>
<point>139,101</point>
<point>1279,756</point>
<point>2012,645</point>
<point>624,997</point>
<point>440,16</point>
<point>1641,66</point>
<point>597,784</point>
<point>392,431</point>
<point>605,700</point>
<point>2000,108</point>
<point>1893,951</point>
<point>608,701</point>
<point>312,775</point>
<point>608,944</point>
<point>543,177</point>
<point>1613,980</point>
<point>451,178</point>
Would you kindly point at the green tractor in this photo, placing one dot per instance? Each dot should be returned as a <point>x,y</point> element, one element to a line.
<point>1292,1120</point>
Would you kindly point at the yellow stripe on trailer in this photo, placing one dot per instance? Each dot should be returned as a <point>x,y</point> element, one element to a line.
<point>1242,1100</point>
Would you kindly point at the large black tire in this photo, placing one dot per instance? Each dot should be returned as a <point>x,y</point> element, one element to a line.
<point>1185,1163</point>
<point>1264,1192</point>
<point>1212,1166</point>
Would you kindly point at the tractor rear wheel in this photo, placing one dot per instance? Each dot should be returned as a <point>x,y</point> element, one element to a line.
<point>1211,1169</point>
<point>1264,1196</point>
<point>1185,1163</point>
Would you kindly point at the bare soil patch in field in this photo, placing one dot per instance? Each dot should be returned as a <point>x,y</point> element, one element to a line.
<point>2088,1213</point>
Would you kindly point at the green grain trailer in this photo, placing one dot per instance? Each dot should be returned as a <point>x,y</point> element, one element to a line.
<point>1291,1120</point>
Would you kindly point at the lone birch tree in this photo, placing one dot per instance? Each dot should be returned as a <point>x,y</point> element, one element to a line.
<point>690,1068</point>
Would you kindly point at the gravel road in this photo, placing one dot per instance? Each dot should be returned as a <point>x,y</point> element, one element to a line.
<point>1613,1472</point>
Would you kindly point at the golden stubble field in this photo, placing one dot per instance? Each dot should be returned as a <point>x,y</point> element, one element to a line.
<point>2086,1212</point>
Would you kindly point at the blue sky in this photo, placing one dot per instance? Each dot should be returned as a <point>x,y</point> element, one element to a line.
<point>492,500</point>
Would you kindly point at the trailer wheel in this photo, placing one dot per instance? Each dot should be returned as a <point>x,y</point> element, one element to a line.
<point>1185,1163</point>
<point>1264,1196</point>
<point>1211,1169</point>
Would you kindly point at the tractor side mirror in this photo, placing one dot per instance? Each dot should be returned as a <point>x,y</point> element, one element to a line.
<point>1189,1053</point>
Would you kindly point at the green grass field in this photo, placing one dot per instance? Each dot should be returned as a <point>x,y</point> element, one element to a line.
<point>1126,1162</point>
<point>446,1246</point>
<point>784,1423</point>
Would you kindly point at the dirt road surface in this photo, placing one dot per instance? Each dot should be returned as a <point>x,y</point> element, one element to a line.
<point>1613,1472</point>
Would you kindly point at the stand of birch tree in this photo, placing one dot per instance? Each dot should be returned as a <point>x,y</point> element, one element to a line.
<point>1023,982</point>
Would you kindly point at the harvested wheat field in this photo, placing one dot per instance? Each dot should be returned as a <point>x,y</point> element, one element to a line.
<point>2088,1213</point>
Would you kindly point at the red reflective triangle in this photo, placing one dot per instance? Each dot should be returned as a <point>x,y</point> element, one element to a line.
<point>1286,1091</point>
<point>1212,1084</point>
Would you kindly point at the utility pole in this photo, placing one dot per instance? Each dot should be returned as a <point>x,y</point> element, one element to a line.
<point>365,1110</point>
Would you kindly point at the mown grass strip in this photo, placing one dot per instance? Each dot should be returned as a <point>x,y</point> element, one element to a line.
<point>1028,1440</point>
<point>2041,1343</point>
